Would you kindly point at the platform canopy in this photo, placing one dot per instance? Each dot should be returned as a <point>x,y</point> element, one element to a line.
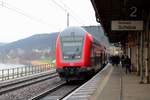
<point>120,17</point>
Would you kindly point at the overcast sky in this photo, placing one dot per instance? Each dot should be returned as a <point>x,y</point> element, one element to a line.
<point>23,18</point>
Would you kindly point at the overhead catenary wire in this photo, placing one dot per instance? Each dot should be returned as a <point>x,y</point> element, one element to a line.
<point>66,10</point>
<point>71,10</point>
<point>75,14</point>
<point>61,7</point>
<point>23,13</point>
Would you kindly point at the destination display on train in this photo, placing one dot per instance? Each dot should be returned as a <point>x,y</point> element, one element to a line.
<point>72,38</point>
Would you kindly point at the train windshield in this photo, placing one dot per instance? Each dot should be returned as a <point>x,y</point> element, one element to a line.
<point>72,47</point>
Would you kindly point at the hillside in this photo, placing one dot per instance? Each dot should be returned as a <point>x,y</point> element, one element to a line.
<point>39,41</point>
<point>1,44</point>
<point>31,48</point>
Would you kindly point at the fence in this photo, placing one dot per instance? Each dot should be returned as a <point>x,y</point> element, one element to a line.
<point>6,74</point>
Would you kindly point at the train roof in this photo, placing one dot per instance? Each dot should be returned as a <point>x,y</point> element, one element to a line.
<point>81,32</point>
<point>71,30</point>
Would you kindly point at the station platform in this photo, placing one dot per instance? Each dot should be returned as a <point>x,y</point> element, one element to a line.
<point>112,84</point>
<point>122,86</point>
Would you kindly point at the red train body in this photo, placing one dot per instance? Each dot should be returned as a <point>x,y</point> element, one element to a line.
<point>78,54</point>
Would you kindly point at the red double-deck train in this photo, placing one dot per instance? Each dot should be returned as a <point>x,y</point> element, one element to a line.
<point>78,54</point>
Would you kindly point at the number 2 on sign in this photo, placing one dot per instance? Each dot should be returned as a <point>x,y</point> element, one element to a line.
<point>133,13</point>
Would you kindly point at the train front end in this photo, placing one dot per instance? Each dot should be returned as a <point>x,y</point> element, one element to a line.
<point>72,58</point>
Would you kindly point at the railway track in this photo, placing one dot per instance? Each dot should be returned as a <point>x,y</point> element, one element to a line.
<point>33,88</point>
<point>58,92</point>
<point>12,86</point>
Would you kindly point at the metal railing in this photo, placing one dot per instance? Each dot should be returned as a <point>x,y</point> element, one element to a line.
<point>6,74</point>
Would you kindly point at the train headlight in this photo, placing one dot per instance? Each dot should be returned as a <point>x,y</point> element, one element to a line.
<point>65,57</point>
<point>77,56</point>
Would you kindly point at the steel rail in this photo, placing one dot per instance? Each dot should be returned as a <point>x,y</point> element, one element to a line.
<point>17,85</point>
<point>43,94</point>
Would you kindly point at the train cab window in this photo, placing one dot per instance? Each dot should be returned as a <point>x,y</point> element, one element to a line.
<point>71,41</point>
<point>72,47</point>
